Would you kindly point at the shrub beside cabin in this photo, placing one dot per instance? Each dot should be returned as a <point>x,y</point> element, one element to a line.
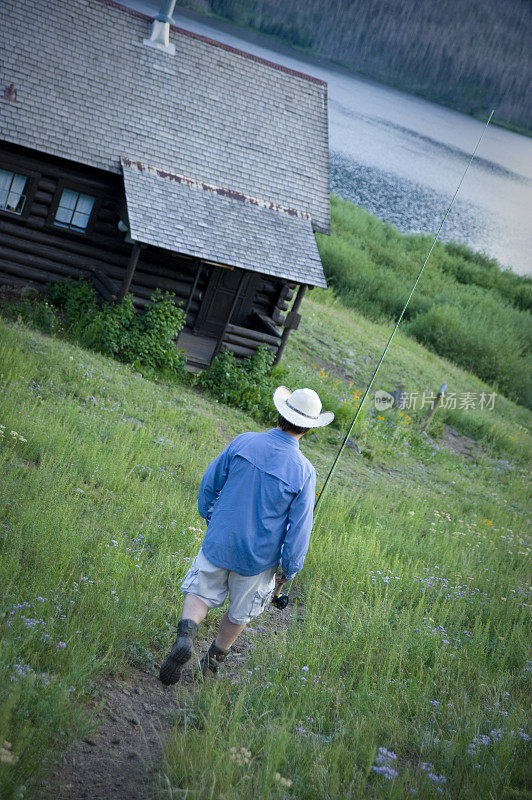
<point>140,155</point>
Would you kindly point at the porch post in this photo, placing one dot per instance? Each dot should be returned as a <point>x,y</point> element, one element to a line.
<point>228,320</point>
<point>194,287</point>
<point>126,283</point>
<point>291,322</point>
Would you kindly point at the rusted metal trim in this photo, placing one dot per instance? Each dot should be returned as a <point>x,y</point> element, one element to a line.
<point>231,194</point>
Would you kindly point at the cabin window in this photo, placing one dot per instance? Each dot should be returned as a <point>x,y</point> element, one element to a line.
<point>74,210</point>
<point>14,189</point>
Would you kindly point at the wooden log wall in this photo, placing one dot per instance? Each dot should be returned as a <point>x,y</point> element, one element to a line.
<point>271,299</point>
<point>244,342</point>
<point>34,252</point>
<point>267,296</point>
<point>162,269</point>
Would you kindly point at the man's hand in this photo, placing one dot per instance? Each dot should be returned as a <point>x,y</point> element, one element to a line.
<point>279,580</point>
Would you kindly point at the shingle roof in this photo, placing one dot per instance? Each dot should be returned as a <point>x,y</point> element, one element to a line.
<point>220,225</point>
<point>89,90</point>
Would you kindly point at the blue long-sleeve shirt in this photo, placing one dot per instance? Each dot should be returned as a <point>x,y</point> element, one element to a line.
<point>257,497</point>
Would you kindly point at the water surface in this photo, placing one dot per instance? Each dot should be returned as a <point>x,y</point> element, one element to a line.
<point>402,157</point>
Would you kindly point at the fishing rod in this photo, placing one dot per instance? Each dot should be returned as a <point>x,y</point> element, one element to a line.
<point>281,600</point>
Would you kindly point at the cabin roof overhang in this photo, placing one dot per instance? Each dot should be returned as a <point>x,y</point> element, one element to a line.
<point>220,225</point>
<point>88,88</point>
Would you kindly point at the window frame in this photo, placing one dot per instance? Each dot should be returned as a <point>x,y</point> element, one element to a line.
<point>80,188</point>
<point>34,177</point>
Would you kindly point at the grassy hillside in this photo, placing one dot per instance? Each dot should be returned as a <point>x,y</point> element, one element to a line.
<point>465,307</point>
<point>472,57</point>
<point>414,630</point>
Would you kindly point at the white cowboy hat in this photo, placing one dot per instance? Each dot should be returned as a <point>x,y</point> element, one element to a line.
<point>301,408</point>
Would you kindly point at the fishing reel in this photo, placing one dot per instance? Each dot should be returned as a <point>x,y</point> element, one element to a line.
<point>281,601</point>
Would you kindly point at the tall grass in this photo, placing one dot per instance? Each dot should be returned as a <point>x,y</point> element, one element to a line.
<point>473,57</point>
<point>96,507</point>
<point>412,640</point>
<point>414,631</point>
<point>465,307</point>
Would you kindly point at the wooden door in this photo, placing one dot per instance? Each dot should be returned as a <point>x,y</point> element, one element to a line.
<point>218,301</point>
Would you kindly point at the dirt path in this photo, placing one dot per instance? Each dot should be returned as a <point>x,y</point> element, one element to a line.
<point>116,760</point>
<point>120,759</point>
<point>461,444</point>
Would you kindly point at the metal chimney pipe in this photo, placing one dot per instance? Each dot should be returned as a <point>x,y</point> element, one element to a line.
<point>160,28</point>
<point>166,10</point>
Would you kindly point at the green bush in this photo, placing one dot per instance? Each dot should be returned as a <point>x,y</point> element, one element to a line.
<point>146,341</point>
<point>116,329</point>
<point>248,384</point>
<point>484,340</point>
<point>35,311</point>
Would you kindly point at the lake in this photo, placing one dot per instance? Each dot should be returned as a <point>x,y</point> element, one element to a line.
<point>402,157</point>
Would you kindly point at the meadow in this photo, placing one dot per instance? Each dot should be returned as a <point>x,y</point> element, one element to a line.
<point>405,669</point>
<point>466,307</point>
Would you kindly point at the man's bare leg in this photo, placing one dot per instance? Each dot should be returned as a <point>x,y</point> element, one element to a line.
<point>217,652</point>
<point>228,632</point>
<point>194,609</point>
<point>194,612</point>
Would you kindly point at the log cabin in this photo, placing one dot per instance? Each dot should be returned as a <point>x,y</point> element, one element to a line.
<point>141,155</point>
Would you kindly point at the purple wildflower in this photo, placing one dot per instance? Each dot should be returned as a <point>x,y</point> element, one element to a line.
<point>388,772</point>
<point>18,607</point>
<point>384,760</point>
<point>437,778</point>
<point>21,671</point>
<point>31,623</point>
<point>385,755</point>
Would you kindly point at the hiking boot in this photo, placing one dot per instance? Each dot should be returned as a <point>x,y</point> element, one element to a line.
<point>210,662</point>
<point>180,653</point>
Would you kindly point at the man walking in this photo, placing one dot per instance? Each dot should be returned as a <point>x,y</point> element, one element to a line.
<point>257,498</point>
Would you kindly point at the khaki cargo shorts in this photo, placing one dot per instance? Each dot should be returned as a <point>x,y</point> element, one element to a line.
<point>248,594</point>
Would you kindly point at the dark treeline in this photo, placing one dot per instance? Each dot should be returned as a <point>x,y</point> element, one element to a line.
<point>473,56</point>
